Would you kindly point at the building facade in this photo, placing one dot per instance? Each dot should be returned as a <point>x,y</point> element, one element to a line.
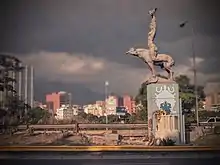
<point>95,109</point>
<point>212,100</point>
<point>67,112</point>
<point>129,104</point>
<point>55,101</point>
<point>111,104</point>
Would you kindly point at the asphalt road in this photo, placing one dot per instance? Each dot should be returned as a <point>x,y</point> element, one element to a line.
<point>115,162</point>
<point>110,158</point>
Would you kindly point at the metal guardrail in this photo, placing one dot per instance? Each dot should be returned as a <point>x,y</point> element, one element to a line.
<point>101,126</point>
<point>85,126</point>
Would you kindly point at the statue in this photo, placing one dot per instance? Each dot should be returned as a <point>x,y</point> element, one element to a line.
<point>151,56</point>
<point>160,127</point>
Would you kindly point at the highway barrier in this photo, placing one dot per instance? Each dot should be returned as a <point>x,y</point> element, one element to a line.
<point>85,126</point>
<point>97,126</point>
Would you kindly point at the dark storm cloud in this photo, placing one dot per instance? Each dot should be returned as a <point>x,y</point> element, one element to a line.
<point>101,27</point>
<point>208,24</point>
<point>81,94</point>
<point>107,28</point>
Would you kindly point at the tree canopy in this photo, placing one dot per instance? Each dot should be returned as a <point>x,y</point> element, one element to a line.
<point>186,91</point>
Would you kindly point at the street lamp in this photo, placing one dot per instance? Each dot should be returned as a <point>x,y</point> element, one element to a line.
<point>194,71</point>
<point>106,97</point>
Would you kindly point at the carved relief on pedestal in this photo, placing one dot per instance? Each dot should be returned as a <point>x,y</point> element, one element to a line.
<point>165,98</point>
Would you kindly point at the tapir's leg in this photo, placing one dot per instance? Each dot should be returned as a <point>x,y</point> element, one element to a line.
<point>168,68</point>
<point>151,65</point>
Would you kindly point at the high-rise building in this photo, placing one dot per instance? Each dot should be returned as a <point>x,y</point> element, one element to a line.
<point>212,100</point>
<point>133,105</point>
<point>120,101</point>
<point>67,112</point>
<point>25,85</point>
<point>95,109</point>
<point>56,100</point>
<point>129,104</point>
<point>212,91</point>
<point>111,104</point>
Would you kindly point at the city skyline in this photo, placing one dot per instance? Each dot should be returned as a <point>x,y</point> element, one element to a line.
<point>57,93</point>
<point>61,104</point>
<point>75,47</point>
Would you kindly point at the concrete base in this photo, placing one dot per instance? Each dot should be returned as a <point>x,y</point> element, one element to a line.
<point>164,97</point>
<point>168,128</point>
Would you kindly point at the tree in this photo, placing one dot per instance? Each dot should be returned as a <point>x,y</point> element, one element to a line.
<point>82,115</point>
<point>113,118</point>
<point>186,91</point>
<point>38,115</point>
<point>187,94</point>
<point>15,109</point>
<point>141,104</point>
<point>141,97</point>
<point>92,118</point>
<point>132,118</point>
<point>10,104</point>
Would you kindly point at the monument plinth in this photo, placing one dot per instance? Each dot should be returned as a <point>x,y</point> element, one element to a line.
<point>164,111</point>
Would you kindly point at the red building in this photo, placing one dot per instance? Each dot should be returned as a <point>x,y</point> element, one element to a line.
<point>129,104</point>
<point>55,100</point>
<point>133,106</point>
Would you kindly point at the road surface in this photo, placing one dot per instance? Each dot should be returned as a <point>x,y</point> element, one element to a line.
<point>111,158</point>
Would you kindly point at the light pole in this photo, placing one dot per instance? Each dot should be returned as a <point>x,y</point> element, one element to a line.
<point>106,97</point>
<point>194,71</point>
<point>32,87</point>
<point>20,82</point>
<point>26,88</point>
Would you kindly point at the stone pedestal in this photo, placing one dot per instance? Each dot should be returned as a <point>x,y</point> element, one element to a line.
<point>164,97</point>
<point>167,127</point>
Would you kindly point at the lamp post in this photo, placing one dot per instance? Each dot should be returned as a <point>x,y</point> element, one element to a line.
<point>26,88</point>
<point>106,97</point>
<point>32,87</point>
<point>194,71</point>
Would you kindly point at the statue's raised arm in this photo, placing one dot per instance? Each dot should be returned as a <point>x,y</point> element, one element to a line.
<point>152,34</point>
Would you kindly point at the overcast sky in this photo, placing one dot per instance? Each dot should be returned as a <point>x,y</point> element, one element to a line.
<point>75,45</point>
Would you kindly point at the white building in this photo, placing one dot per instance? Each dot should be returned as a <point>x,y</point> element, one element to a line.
<point>67,112</point>
<point>111,104</point>
<point>76,109</point>
<point>95,109</point>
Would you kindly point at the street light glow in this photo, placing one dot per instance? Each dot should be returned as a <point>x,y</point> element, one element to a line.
<point>106,83</point>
